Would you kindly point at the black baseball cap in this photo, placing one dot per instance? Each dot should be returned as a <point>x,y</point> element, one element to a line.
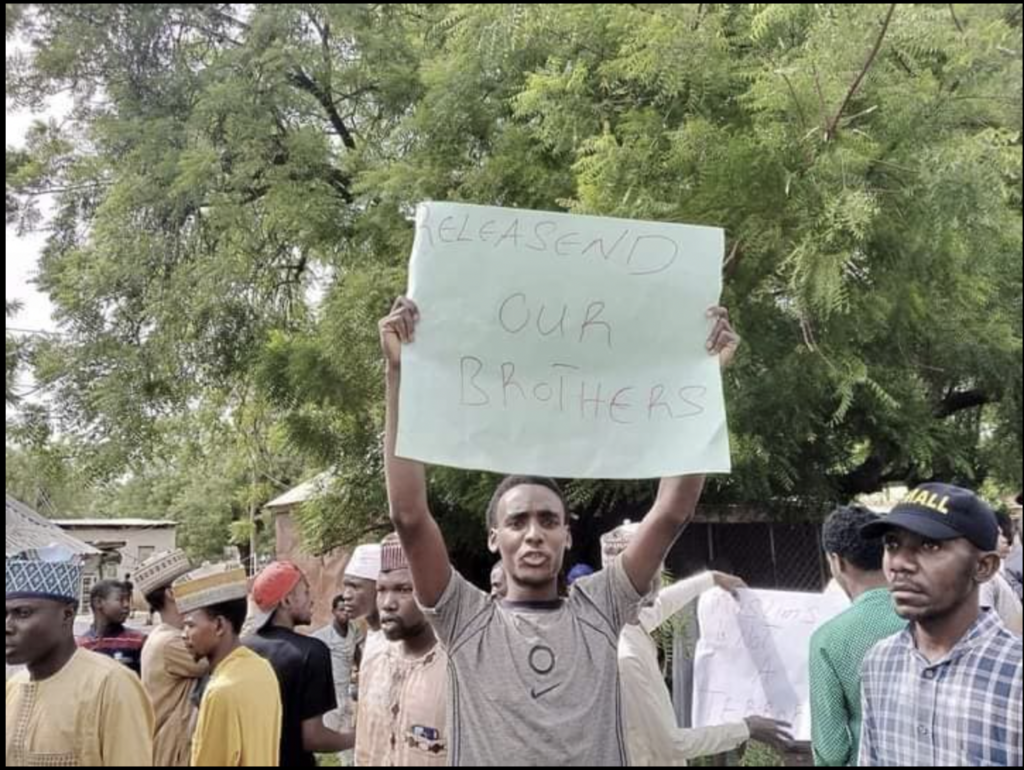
<point>941,512</point>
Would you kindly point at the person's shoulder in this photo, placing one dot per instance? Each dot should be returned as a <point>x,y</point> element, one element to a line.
<point>266,641</point>
<point>162,637</point>
<point>132,637</point>
<point>458,595</point>
<point>99,674</point>
<point>884,651</point>
<point>93,664</point>
<point>383,659</point>
<point>313,648</point>
<point>325,634</point>
<point>286,648</point>
<point>244,665</point>
<point>86,640</point>
<point>832,630</point>
<point>1006,645</point>
<point>18,678</point>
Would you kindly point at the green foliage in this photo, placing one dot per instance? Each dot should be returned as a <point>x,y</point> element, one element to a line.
<point>14,353</point>
<point>224,168</point>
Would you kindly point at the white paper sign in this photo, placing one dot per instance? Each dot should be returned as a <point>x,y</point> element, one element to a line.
<point>563,346</point>
<point>753,656</point>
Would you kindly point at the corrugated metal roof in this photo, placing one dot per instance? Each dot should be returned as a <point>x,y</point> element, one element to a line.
<point>114,524</point>
<point>304,492</point>
<point>26,530</point>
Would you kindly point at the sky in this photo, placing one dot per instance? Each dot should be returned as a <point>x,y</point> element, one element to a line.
<point>22,252</point>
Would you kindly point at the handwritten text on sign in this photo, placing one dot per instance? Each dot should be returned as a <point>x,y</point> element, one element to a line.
<point>752,658</point>
<point>563,345</point>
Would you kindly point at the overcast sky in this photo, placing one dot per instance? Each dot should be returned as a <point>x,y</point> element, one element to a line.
<point>22,253</point>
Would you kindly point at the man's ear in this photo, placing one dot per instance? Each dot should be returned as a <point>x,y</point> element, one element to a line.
<point>989,565</point>
<point>492,541</point>
<point>841,567</point>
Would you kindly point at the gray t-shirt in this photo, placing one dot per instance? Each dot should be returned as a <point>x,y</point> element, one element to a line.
<point>536,685</point>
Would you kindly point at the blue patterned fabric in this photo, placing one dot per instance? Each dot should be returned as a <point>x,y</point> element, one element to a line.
<point>46,574</point>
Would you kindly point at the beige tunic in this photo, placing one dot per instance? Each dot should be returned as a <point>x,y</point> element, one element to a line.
<point>93,713</point>
<point>169,676</point>
<point>403,703</point>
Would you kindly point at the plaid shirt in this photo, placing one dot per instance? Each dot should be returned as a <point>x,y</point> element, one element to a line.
<point>964,710</point>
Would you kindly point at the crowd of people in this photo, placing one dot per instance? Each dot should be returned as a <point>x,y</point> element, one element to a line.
<point>420,667</point>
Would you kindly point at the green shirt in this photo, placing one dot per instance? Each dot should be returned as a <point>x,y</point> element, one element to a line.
<point>838,650</point>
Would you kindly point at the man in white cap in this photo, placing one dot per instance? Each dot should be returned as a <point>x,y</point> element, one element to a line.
<point>360,597</point>
<point>240,713</point>
<point>652,731</point>
<point>70,707</point>
<point>169,670</point>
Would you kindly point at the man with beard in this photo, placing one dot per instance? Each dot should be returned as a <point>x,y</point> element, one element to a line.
<point>302,664</point>
<point>947,691</point>
<point>360,597</point>
<point>403,695</point>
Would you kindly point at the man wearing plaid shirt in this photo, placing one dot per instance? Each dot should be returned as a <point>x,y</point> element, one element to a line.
<point>946,692</point>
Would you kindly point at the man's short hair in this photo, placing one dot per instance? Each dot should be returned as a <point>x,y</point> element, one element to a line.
<point>512,482</point>
<point>841,536</point>
<point>157,600</point>
<point>234,612</point>
<point>103,590</point>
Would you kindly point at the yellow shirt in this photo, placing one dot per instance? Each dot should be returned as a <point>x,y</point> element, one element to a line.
<point>93,713</point>
<point>169,675</point>
<point>240,716</point>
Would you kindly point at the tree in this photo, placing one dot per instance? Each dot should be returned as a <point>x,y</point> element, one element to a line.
<point>13,356</point>
<point>864,159</point>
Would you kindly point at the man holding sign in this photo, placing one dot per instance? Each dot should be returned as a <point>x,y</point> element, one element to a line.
<point>534,679</point>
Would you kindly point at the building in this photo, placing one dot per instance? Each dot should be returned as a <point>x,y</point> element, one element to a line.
<point>123,544</point>
<point>26,530</point>
<point>324,572</point>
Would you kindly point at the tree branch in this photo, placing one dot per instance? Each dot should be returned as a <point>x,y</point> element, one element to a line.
<point>960,401</point>
<point>796,100</point>
<point>878,469</point>
<point>833,125</point>
<point>959,26</point>
<point>305,83</point>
